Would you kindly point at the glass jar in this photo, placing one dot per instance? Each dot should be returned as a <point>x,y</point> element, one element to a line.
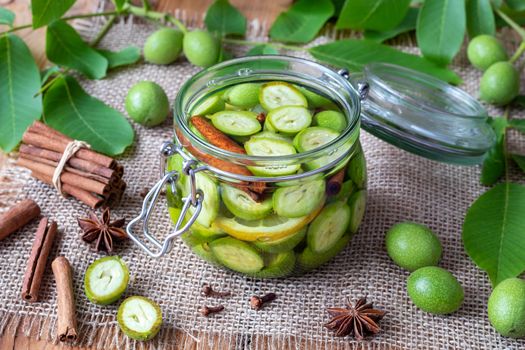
<point>281,225</point>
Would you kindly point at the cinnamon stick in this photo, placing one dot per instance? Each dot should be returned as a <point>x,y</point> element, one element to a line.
<point>67,320</point>
<point>66,177</point>
<point>77,163</point>
<point>257,187</point>
<point>67,168</point>
<point>214,136</point>
<point>86,197</point>
<point>36,264</point>
<point>334,183</point>
<point>18,216</point>
<point>41,135</point>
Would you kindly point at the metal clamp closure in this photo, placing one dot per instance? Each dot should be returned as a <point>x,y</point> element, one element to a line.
<point>194,200</point>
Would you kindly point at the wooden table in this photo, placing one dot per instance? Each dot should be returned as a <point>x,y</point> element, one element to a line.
<point>264,11</point>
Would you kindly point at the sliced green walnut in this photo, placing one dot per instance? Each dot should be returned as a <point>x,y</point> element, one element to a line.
<point>282,245</point>
<point>328,227</point>
<point>139,318</point>
<point>334,120</point>
<point>210,204</point>
<point>237,255</point>
<point>236,123</point>
<point>313,137</point>
<point>209,106</point>
<point>272,135</point>
<point>244,95</point>
<point>357,170</point>
<point>357,203</point>
<point>314,100</point>
<point>277,265</point>
<point>289,119</point>
<point>106,280</point>
<point>268,127</point>
<point>316,136</point>
<point>300,200</point>
<point>271,148</point>
<point>309,260</point>
<point>203,251</point>
<point>242,205</point>
<point>278,94</point>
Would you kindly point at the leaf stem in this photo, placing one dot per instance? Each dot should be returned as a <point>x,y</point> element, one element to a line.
<point>50,82</point>
<point>88,15</point>
<point>154,15</point>
<point>511,23</point>
<point>255,43</point>
<point>103,31</point>
<point>505,155</point>
<point>518,52</point>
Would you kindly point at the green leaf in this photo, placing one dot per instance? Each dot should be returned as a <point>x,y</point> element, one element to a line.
<point>302,21</point>
<point>440,29</point>
<point>480,18</point>
<point>119,4</point>
<point>46,11</point>
<point>225,19</point>
<point>338,6</point>
<point>379,15</point>
<point>124,57</point>
<point>48,72</point>
<point>517,5</point>
<point>493,167</point>
<point>494,231</point>
<point>520,160</point>
<point>70,110</point>
<point>6,16</point>
<point>353,54</point>
<point>262,50</point>
<point>66,48</point>
<point>20,81</point>
<point>407,24</point>
<point>518,124</point>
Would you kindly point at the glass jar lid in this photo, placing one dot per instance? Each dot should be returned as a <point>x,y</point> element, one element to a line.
<point>423,114</point>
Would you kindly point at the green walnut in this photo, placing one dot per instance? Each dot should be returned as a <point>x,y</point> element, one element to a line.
<point>201,48</point>
<point>506,308</point>
<point>163,46</point>
<point>435,290</point>
<point>500,84</point>
<point>147,103</point>
<point>412,246</point>
<point>485,50</point>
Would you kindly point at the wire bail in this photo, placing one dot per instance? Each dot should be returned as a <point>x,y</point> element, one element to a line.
<point>194,199</point>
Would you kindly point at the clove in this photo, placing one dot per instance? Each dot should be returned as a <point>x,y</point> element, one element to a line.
<point>208,310</point>
<point>257,302</point>
<point>208,291</point>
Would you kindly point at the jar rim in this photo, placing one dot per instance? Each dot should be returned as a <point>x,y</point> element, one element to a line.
<point>350,103</point>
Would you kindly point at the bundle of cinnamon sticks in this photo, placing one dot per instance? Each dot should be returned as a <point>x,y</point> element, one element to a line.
<point>90,177</point>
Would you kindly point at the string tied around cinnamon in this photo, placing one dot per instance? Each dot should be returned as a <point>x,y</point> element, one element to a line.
<point>71,148</point>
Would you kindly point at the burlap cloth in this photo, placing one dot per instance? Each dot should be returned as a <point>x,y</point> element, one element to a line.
<point>402,186</point>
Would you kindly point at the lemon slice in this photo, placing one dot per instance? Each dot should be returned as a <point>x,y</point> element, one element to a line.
<point>270,228</point>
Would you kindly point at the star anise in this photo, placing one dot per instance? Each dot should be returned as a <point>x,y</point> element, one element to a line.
<point>358,320</point>
<point>102,230</point>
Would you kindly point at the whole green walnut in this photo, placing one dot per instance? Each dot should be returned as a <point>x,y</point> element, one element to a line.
<point>147,103</point>
<point>163,46</point>
<point>412,246</point>
<point>435,290</point>
<point>485,50</point>
<point>506,308</point>
<point>201,48</point>
<point>500,84</point>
